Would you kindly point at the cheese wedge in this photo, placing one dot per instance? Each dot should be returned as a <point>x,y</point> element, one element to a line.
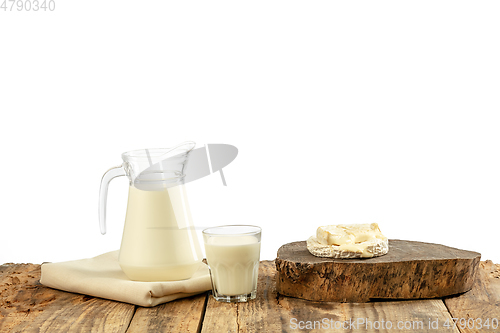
<point>348,241</point>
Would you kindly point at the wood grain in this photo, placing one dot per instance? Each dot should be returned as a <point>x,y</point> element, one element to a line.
<point>481,303</point>
<point>220,317</point>
<point>411,270</point>
<point>28,306</point>
<point>183,315</point>
<point>271,312</point>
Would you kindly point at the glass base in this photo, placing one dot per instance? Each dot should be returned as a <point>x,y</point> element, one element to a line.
<point>235,299</point>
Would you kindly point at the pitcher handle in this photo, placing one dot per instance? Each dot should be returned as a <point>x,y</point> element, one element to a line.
<point>103,193</point>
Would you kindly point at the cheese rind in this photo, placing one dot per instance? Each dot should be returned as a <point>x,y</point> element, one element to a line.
<point>348,241</point>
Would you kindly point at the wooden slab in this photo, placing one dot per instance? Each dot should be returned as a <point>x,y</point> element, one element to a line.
<point>411,270</point>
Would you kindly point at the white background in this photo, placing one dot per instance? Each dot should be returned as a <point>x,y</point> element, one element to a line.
<point>343,112</point>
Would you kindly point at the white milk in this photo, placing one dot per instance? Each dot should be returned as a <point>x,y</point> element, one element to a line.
<point>159,243</point>
<point>234,263</point>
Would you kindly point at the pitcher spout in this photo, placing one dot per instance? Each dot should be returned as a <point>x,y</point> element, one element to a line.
<point>157,169</point>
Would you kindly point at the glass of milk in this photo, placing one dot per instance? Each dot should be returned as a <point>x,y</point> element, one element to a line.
<point>233,253</point>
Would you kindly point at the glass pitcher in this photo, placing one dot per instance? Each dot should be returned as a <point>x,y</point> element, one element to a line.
<point>159,242</point>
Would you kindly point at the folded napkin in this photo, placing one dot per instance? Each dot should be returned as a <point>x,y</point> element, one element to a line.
<point>102,277</point>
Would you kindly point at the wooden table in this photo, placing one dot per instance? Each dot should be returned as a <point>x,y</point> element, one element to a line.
<point>27,306</point>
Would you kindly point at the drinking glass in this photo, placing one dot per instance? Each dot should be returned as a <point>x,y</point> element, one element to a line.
<point>233,254</point>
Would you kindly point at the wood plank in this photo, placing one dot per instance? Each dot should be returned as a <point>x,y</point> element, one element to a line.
<point>411,270</point>
<point>28,306</point>
<point>481,303</point>
<point>183,315</point>
<point>271,312</point>
<point>220,317</point>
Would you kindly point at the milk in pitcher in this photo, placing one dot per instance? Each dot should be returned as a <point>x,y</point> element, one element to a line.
<point>157,232</point>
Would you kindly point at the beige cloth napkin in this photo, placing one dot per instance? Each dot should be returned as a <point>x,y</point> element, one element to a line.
<point>102,277</point>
